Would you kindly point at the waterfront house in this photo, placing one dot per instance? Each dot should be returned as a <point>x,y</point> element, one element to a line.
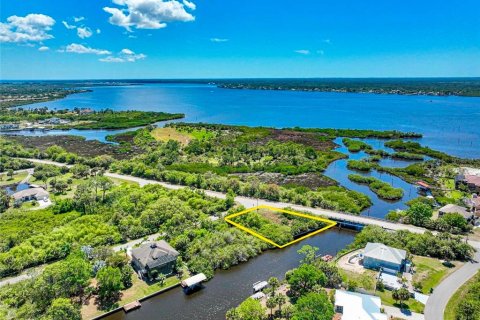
<point>154,257</point>
<point>358,306</point>
<point>469,181</point>
<point>30,194</point>
<point>378,255</point>
<point>453,208</point>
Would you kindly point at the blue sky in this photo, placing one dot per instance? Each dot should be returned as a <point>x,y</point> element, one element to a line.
<point>105,39</point>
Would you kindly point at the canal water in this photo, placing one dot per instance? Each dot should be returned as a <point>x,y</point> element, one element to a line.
<point>230,287</point>
<point>338,171</point>
<point>449,124</point>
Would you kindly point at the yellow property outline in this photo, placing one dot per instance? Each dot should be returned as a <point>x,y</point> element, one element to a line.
<point>330,224</point>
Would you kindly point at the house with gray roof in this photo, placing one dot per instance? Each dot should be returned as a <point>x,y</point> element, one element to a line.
<point>378,255</point>
<point>453,208</point>
<point>30,194</point>
<point>154,257</point>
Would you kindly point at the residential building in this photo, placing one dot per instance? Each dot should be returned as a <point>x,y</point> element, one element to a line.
<point>30,194</point>
<point>453,208</point>
<point>358,306</point>
<point>469,181</point>
<point>154,257</point>
<point>378,255</point>
<point>473,204</point>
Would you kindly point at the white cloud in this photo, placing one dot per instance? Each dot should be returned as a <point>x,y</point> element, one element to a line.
<point>189,4</point>
<point>43,48</point>
<point>78,19</point>
<point>127,51</point>
<point>126,55</point>
<point>149,14</point>
<point>303,51</point>
<point>327,41</point>
<point>218,40</point>
<point>31,28</point>
<point>84,32</point>
<point>79,48</point>
<point>68,26</point>
<point>99,31</point>
<point>321,52</point>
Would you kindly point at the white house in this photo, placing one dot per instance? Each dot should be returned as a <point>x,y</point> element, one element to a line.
<point>30,194</point>
<point>378,255</point>
<point>358,306</point>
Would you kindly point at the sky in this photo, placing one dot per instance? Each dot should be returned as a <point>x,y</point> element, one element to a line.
<point>134,39</point>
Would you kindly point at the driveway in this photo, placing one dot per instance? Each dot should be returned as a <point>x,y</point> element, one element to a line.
<point>403,314</point>
<point>129,245</point>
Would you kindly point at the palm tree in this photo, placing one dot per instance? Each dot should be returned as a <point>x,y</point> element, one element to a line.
<point>281,299</point>
<point>274,284</point>
<point>271,303</point>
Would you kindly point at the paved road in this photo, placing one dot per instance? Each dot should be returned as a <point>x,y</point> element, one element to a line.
<point>251,202</point>
<point>437,302</point>
<point>27,274</point>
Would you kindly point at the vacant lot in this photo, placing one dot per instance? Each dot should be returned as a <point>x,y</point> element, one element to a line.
<point>165,134</point>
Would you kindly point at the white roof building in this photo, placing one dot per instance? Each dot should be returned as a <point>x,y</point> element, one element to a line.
<point>378,255</point>
<point>358,306</point>
<point>30,194</point>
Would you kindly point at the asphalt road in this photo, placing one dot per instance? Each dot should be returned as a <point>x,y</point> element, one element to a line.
<point>437,302</point>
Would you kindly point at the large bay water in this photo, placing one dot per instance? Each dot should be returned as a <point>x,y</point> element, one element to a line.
<point>449,124</point>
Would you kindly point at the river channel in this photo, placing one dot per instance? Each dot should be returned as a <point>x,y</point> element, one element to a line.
<point>230,287</point>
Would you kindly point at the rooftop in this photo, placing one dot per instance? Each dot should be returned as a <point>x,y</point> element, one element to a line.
<point>154,254</point>
<point>453,208</point>
<point>473,179</point>
<point>358,306</point>
<point>382,252</point>
<point>38,192</point>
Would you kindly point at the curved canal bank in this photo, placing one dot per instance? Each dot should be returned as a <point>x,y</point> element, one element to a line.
<point>338,171</point>
<point>230,287</point>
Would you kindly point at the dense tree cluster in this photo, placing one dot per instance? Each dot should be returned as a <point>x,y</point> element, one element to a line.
<point>383,189</point>
<point>279,227</point>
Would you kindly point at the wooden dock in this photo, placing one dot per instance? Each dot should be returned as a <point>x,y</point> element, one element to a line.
<point>132,306</point>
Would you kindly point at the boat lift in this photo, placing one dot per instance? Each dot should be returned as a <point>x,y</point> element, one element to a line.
<point>194,281</point>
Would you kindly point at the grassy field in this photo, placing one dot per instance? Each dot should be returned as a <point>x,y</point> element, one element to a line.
<point>138,290</point>
<point>412,304</point>
<point>364,280</point>
<point>165,134</point>
<point>430,272</point>
<point>449,184</point>
<point>5,181</point>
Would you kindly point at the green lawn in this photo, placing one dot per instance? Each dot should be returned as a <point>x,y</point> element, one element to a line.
<point>138,290</point>
<point>4,180</point>
<point>449,184</point>
<point>366,281</point>
<point>430,272</point>
<point>412,304</point>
